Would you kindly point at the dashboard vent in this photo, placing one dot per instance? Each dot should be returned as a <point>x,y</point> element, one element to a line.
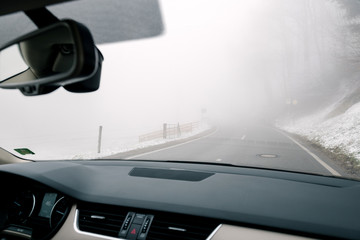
<point>176,227</point>
<point>101,220</point>
<point>170,174</point>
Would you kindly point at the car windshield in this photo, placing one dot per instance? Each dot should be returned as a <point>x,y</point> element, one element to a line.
<point>257,83</point>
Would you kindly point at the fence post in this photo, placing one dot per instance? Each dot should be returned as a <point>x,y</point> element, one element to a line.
<point>164,130</point>
<point>99,140</point>
<point>178,130</point>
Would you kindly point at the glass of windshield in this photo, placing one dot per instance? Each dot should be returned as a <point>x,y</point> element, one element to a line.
<point>258,83</point>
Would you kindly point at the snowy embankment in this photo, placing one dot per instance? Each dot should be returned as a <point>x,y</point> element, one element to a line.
<point>337,134</point>
<point>140,145</point>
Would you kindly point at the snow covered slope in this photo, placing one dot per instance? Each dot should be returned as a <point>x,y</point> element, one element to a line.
<point>341,132</point>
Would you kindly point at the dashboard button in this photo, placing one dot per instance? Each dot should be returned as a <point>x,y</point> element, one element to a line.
<point>139,219</point>
<point>125,227</point>
<point>145,227</point>
<point>133,231</point>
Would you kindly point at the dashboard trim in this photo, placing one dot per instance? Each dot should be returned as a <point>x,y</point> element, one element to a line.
<point>214,232</point>
<point>16,234</point>
<point>52,210</point>
<point>240,232</point>
<point>33,205</point>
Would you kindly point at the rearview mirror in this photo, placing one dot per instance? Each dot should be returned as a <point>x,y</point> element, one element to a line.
<point>62,54</point>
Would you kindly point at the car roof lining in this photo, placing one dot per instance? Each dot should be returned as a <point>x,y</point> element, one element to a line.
<point>109,22</point>
<point>11,6</point>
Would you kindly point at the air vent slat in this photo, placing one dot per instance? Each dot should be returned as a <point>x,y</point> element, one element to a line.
<point>100,219</point>
<point>189,225</point>
<point>115,220</point>
<point>176,227</point>
<point>98,225</point>
<point>190,231</point>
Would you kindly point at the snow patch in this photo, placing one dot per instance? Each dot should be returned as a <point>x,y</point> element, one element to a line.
<point>342,131</point>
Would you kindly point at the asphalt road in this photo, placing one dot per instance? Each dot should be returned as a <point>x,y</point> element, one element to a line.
<point>250,145</point>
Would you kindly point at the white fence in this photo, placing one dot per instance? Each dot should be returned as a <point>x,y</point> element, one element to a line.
<point>170,131</point>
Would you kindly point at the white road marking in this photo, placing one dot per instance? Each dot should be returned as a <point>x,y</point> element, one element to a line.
<point>243,137</point>
<point>330,169</point>
<point>177,145</point>
<point>218,160</point>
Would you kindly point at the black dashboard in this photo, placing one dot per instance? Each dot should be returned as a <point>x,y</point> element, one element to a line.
<point>167,200</point>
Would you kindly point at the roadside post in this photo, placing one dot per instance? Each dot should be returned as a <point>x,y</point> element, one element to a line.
<point>99,139</point>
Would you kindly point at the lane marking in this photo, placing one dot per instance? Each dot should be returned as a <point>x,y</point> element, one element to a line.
<point>176,145</point>
<point>243,137</point>
<point>218,160</point>
<point>325,165</point>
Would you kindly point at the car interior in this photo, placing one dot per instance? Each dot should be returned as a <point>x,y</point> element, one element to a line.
<point>147,199</point>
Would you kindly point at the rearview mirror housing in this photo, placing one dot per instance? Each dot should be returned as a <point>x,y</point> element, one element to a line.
<point>62,54</point>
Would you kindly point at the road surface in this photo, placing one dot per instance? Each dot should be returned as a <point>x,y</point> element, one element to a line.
<point>250,145</point>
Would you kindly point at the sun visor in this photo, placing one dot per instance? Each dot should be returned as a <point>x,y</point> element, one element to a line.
<point>108,20</point>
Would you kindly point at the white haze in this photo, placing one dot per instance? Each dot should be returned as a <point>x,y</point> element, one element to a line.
<point>227,57</point>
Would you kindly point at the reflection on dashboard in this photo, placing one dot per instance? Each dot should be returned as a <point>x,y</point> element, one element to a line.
<point>47,204</point>
<point>59,211</point>
<point>33,212</point>
<point>22,206</point>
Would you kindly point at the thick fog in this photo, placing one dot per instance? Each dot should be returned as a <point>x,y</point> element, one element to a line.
<point>238,60</point>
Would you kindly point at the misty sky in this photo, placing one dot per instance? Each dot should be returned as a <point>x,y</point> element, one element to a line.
<point>228,58</point>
